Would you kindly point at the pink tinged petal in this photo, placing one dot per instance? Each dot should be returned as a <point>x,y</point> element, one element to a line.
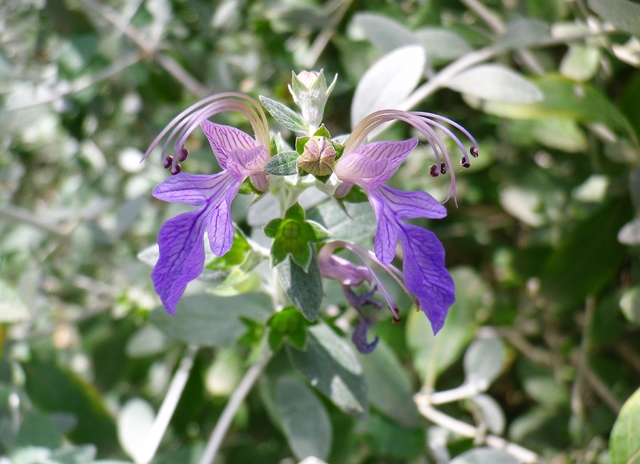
<point>192,189</point>
<point>411,205</point>
<point>342,270</point>
<point>343,189</point>
<point>243,163</point>
<point>225,139</point>
<point>260,181</point>
<point>425,275</point>
<point>386,238</point>
<point>360,169</point>
<point>181,256</point>
<point>219,223</point>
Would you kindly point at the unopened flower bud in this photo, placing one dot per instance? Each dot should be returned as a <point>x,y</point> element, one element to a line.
<point>310,92</point>
<point>318,157</point>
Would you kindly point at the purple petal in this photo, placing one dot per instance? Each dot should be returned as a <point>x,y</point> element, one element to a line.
<point>342,270</point>
<point>225,139</point>
<point>192,189</point>
<point>219,223</point>
<point>181,256</point>
<point>425,275</point>
<point>359,337</point>
<point>386,238</point>
<point>243,163</point>
<point>411,205</point>
<point>361,169</point>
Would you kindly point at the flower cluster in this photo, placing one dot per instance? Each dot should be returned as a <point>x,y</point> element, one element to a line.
<point>337,167</point>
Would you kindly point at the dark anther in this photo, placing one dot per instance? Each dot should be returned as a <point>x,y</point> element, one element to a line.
<point>175,169</point>
<point>183,155</point>
<point>474,151</point>
<point>464,162</point>
<point>433,170</point>
<point>443,168</point>
<point>167,162</point>
<point>396,320</point>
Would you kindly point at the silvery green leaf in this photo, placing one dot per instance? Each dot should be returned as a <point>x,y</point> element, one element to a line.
<point>283,164</point>
<point>485,456</point>
<point>389,385</point>
<point>296,403</point>
<point>207,320</point>
<point>581,62</point>
<point>483,361</point>
<point>623,14</point>
<point>630,304</point>
<point>442,43</point>
<point>491,413</point>
<point>12,308</point>
<point>523,33</point>
<point>284,115</point>
<point>332,367</point>
<point>630,233</point>
<point>303,288</point>
<point>625,441</point>
<point>495,82</point>
<point>388,82</point>
<point>134,423</point>
<point>383,32</point>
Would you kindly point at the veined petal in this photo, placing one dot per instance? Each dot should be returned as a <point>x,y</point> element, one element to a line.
<point>181,256</point>
<point>411,205</point>
<point>360,169</point>
<point>225,139</point>
<point>424,273</point>
<point>192,189</point>
<point>386,238</point>
<point>219,223</point>
<point>243,163</point>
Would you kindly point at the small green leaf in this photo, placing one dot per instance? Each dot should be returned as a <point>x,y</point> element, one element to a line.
<point>134,423</point>
<point>253,336</point>
<point>303,417</point>
<point>303,288</point>
<point>294,237</point>
<point>332,367</point>
<point>288,325</point>
<point>322,132</point>
<point>282,164</point>
<point>581,62</point>
<point>234,257</point>
<point>284,115</point>
<point>625,440</point>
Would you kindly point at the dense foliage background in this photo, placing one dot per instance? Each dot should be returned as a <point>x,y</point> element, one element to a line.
<point>543,245</point>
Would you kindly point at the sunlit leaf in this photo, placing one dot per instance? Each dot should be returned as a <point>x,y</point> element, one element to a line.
<point>388,82</point>
<point>623,14</point>
<point>495,82</point>
<point>625,440</point>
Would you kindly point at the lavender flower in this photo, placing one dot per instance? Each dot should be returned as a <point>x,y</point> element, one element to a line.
<point>371,165</point>
<point>181,239</point>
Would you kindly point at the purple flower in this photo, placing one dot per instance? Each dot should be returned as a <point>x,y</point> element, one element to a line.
<point>370,166</point>
<point>181,239</point>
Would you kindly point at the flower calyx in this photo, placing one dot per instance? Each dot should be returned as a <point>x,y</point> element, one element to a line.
<point>294,236</point>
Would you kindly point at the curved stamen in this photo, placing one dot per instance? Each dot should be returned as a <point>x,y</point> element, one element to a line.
<point>187,120</point>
